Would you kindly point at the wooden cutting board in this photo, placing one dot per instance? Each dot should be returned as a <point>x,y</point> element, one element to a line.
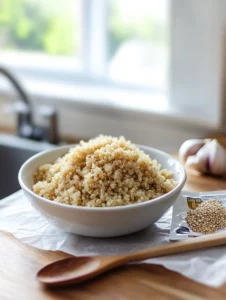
<point>19,264</point>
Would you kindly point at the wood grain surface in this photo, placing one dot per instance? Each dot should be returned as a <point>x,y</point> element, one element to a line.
<point>19,264</point>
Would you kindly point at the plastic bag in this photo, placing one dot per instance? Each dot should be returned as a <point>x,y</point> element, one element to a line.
<point>189,201</point>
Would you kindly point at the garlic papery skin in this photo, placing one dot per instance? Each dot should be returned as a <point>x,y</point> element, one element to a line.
<point>190,147</point>
<point>199,162</point>
<point>217,158</point>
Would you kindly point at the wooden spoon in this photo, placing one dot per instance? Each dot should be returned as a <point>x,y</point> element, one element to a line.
<point>77,269</point>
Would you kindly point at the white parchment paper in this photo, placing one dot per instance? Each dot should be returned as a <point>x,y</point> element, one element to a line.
<point>18,217</point>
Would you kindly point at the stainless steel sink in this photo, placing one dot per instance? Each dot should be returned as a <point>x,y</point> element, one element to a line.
<point>14,151</point>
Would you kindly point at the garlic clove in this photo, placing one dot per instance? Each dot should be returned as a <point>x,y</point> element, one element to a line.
<point>190,148</point>
<point>199,161</point>
<point>217,158</point>
<point>193,162</point>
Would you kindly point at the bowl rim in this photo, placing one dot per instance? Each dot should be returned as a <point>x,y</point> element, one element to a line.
<point>177,188</point>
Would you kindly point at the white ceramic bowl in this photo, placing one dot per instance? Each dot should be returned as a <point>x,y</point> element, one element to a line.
<point>101,222</point>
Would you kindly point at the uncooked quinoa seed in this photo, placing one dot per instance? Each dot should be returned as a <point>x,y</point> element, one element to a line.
<point>105,171</point>
<point>207,218</point>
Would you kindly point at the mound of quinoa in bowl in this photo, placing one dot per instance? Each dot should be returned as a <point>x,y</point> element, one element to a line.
<point>103,172</point>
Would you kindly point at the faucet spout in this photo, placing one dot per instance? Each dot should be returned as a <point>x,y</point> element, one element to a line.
<point>16,85</point>
<point>25,125</point>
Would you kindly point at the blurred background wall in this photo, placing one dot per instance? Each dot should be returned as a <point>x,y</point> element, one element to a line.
<point>150,70</point>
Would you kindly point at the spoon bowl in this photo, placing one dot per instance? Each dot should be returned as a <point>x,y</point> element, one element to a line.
<point>75,269</point>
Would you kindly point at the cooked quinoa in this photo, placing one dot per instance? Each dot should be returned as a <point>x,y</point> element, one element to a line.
<point>103,172</point>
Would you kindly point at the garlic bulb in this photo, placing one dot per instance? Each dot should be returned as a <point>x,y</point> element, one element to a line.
<point>204,156</point>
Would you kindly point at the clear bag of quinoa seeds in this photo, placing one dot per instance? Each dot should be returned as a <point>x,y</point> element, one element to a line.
<point>198,213</point>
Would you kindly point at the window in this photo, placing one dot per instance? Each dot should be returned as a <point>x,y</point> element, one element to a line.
<point>116,42</point>
<point>138,42</point>
<point>40,26</point>
<point>40,34</point>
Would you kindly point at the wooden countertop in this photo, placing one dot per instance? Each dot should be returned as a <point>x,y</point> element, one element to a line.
<point>19,264</point>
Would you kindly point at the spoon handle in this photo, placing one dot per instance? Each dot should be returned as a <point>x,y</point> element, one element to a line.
<point>202,242</point>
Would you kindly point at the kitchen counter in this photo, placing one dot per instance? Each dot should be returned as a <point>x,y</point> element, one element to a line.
<point>20,262</point>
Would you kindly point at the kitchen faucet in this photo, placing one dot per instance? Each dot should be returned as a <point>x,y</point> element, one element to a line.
<point>25,125</point>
